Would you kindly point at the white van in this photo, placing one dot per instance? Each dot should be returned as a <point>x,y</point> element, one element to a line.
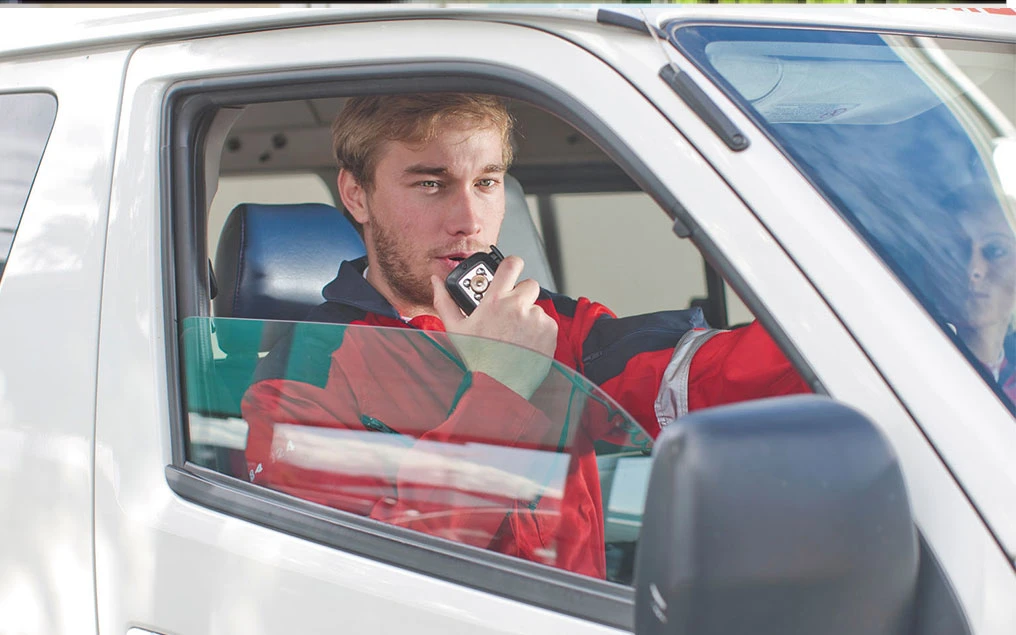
<point>168,201</point>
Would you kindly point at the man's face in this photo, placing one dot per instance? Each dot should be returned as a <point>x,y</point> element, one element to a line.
<point>432,205</point>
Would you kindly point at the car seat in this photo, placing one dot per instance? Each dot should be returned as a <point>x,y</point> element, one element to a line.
<point>270,265</point>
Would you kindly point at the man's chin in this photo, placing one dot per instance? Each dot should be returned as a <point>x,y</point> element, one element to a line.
<point>409,292</point>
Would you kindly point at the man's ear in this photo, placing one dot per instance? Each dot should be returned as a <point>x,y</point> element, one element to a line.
<point>353,195</point>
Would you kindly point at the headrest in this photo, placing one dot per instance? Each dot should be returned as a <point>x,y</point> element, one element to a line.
<point>273,260</point>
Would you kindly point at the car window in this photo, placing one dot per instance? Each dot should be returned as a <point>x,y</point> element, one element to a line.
<point>376,421</point>
<point>592,225</point>
<point>25,124</point>
<point>912,140</point>
<point>385,424</point>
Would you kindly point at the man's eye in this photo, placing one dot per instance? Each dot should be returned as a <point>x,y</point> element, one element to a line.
<point>487,182</point>
<point>429,184</point>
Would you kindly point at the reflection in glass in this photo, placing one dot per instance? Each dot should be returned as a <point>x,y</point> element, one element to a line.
<point>387,423</point>
<point>980,305</point>
<point>24,131</point>
<point>907,138</point>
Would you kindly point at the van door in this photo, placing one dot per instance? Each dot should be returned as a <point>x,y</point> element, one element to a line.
<point>182,550</point>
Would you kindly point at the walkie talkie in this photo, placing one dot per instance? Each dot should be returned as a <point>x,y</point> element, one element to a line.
<point>469,281</point>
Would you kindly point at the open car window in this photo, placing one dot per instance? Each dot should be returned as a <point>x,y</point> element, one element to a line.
<point>388,423</point>
<point>912,140</point>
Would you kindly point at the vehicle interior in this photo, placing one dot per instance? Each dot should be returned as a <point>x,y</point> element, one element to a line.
<point>276,235</point>
<point>585,210</point>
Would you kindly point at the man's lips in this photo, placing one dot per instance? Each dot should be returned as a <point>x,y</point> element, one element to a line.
<point>452,260</point>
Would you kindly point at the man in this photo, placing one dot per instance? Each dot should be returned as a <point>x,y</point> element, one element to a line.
<point>423,176</point>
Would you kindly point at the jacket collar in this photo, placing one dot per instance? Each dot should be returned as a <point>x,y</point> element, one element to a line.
<point>350,288</point>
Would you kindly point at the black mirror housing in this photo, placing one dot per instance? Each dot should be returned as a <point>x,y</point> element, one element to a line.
<point>782,516</point>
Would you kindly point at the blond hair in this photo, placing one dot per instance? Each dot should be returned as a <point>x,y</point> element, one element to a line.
<point>366,123</point>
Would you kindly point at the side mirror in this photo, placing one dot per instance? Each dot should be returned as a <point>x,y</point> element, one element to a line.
<point>784,516</point>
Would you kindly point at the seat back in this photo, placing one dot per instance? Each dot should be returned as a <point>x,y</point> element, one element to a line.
<point>270,264</point>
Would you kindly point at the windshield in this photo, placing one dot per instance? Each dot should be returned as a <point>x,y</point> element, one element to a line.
<point>911,139</point>
<point>388,423</point>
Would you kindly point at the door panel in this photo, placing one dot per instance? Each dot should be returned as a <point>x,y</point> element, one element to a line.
<point>180,567</point>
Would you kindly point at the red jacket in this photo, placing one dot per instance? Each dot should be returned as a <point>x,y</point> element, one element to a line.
<point>464,457</point>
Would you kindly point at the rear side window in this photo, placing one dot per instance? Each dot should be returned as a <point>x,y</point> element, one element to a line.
<point>26,120</point>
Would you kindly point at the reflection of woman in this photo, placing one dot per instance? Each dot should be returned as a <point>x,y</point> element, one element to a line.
<point>982,312</point>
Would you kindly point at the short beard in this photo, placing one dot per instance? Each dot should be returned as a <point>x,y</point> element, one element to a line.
<point>396,271</point>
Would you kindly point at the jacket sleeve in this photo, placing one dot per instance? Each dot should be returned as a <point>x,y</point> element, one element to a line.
<point>660,366</point>
<point>547,508</point>
<point>315,442</point>
<point>301,440</point>
<point>443,489</point>
<point>712,368</point>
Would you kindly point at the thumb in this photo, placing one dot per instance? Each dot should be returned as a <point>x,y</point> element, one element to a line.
<point>447,310</point>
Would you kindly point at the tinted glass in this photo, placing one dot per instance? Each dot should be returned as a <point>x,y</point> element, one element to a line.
<point>387,423</point>
<point>25,123</point>
<point>912,140</point>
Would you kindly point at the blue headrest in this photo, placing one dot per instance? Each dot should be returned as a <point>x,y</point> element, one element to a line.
<point>273,260</point>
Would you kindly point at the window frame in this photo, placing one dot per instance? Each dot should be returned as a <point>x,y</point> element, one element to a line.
<point>188,107</point>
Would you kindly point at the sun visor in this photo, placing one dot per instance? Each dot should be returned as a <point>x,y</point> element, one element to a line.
<point>821,83</point>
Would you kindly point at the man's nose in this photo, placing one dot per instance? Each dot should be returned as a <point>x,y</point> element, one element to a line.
<point>465,214</point>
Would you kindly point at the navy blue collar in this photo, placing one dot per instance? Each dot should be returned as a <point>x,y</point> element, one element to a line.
<point>352,289</point>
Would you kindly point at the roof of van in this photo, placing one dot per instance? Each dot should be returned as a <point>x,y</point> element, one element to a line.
<point>26,29</point>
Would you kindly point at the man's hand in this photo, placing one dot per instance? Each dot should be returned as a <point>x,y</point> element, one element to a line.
<point>508,313</point>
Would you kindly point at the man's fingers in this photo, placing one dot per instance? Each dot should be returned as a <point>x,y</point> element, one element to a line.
<point>506,276</point>
<point>444,304</point>
<point>528,291</point>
